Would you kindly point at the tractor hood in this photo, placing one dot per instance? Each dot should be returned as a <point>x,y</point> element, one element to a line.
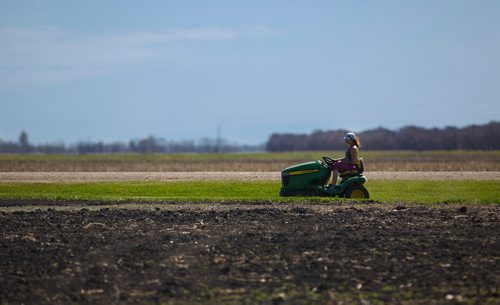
<point>304,176</point>
<point>303,168</point>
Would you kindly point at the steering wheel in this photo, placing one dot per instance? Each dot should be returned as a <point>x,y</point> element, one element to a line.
<point>329,161</point>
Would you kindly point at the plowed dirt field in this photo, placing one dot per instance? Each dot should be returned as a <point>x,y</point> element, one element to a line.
<point>249,254</point>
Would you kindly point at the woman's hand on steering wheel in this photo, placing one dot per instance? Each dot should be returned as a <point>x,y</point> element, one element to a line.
<point>329,161</point>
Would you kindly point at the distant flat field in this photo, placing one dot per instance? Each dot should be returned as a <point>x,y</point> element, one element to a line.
<point>375,161</point>
<point>52,177</point>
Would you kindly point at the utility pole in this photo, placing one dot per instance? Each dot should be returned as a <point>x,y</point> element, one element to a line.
<point>218,140</point>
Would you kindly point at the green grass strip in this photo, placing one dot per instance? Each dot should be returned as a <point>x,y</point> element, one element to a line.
<point>404,191</point>
<point>439,191</point>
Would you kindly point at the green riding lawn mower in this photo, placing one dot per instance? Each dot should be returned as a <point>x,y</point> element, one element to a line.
<point>311,178</point>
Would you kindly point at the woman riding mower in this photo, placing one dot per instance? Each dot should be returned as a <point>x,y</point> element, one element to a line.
<point>350,162</point>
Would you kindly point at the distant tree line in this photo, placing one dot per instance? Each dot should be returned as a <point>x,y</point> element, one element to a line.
<point>474,137</point>
<point>147,145</point>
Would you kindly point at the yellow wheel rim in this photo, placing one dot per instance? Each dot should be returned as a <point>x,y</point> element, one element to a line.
<point>357,194</point>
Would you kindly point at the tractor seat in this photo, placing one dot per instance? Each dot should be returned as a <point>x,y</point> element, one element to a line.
<point>356,172</point>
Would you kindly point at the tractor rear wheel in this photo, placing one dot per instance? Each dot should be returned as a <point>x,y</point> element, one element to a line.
<point>356,191</point>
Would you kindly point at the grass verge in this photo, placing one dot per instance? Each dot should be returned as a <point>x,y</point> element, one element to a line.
<point>399,191</point>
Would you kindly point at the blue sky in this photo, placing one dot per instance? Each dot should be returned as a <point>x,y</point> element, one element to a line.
<point>117,70</point>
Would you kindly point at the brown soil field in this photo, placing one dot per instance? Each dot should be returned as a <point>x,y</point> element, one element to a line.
<point>377,165</point>
<point>237,176</point>
<point>249,254</point>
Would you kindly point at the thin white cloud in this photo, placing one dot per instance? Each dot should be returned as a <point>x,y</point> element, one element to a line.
<point>48,54</point>
<point>261,30</point>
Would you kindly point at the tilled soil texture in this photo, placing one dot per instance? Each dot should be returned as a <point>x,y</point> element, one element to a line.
<point>260,254</point>
<point>425,164</point>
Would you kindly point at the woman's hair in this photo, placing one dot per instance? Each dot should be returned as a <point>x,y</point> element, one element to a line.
<point>351,136</point>
<point>356,141</point>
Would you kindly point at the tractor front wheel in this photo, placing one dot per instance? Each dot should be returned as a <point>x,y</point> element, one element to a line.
<point>284,193</point>
<point>356,191</point>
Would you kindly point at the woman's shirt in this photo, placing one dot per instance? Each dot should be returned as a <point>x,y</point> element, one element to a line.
<point>348,155</point>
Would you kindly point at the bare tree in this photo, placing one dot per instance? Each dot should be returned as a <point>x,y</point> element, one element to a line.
<point>24,145</point>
